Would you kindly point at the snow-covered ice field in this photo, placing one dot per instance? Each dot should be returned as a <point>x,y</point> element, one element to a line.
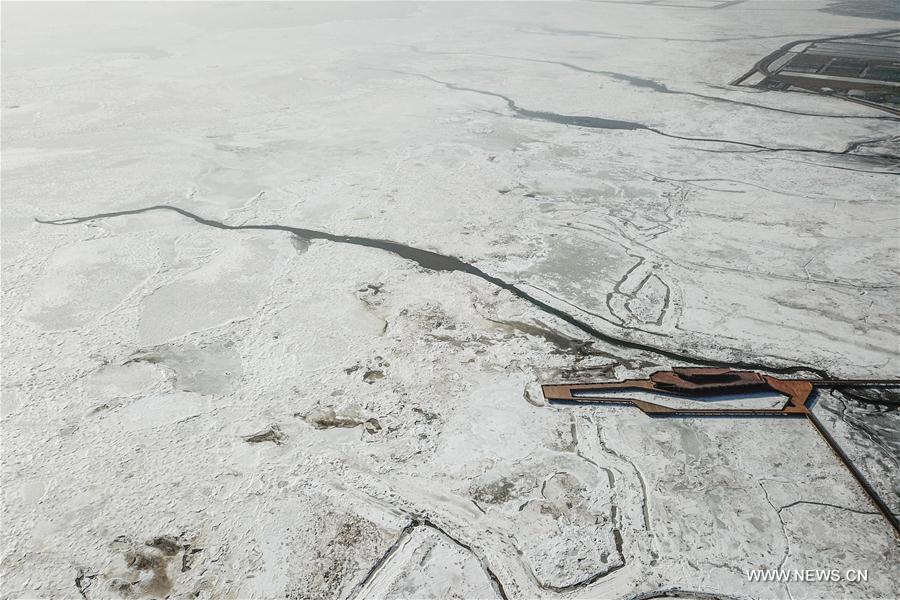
<point>197,407</point>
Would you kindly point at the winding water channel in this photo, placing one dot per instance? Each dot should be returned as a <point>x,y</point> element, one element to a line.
<point>435,261</point>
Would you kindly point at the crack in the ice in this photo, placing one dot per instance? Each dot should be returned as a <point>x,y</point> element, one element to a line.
<point>614,518</point>
<point>826,504</point>
<point>632,296</point>
<point>383,559</point>
<point>609,474</point>
<point>578,584</point>
<point>559,589</point>
<point>495,581</point>
<point>440,262</point>
<point>840,168</point>
<point>591,122</point>
<point>644,498</point>
<point>651,84</point>
<point>849,150</point>
<point>870,491</point>
<point>619,324</point>
<point>404,536</point>
<point>591,579</point>
<point>693,182</point>
<point>617,36</point>
<point>687,264</point>
<point>537,115</point>
<point>784,533</point>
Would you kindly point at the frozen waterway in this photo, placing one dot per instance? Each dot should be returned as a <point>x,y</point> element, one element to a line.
<point>434,261</point>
